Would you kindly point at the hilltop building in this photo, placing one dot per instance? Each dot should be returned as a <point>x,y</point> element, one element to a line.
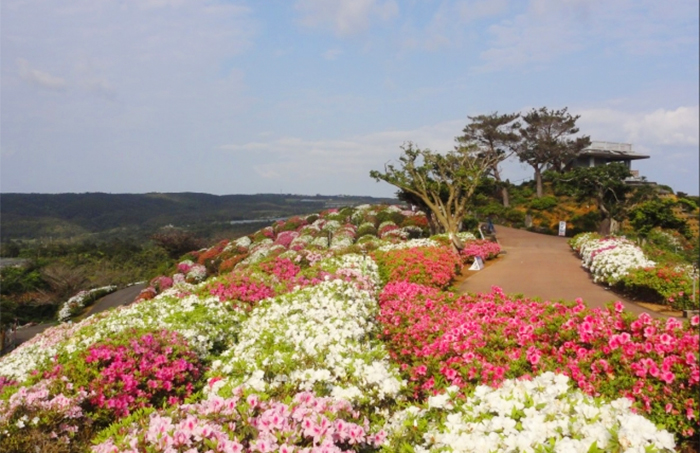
<point>603,153</point>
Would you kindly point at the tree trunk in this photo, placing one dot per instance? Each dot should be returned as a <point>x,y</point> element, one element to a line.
<point>506,198</point>
<point>538,181</point>
<point>504,189</point>
<point>614,226</point>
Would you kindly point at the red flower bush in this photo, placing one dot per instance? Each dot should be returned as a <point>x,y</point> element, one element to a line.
<point>432,266</point>
<point>442,340</point>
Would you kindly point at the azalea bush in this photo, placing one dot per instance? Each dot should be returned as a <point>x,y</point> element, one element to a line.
<point>246,422</point>
<point>433,266</point>
<point>133,370</point>
<point>542,414</point>
<point>36,418</point>
<point>668,285</point>
<point>621,264</point>
<point>487,250</point>
<point>442,340</point>
<point>205,322</point>
<point>609,259</point>
<point>315,339</point>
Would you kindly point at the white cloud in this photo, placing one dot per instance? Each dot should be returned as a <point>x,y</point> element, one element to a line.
<point>661,127</point>
<point>41,78</point>
<point>350,157</point>
<point>344,17</point>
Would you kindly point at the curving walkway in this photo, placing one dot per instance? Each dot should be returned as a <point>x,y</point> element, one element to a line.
<point>121,297</point>
<point>538,265</point>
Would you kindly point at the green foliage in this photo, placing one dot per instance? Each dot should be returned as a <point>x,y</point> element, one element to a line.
<point>604,183</point>
<point>655,213</point>
<point>366,229</point>
<point>549,139</point>
<point>20,279</point>
<point>392,216</point>
<point>544,203</point>
<point>688,204</point>
<point>663,285</point>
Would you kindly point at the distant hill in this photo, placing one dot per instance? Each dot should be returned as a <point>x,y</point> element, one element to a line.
<point>71,215</point>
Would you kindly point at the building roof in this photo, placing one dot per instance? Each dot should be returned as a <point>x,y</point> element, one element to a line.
<point>612,150</point>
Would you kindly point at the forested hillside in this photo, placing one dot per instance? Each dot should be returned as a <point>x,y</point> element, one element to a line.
<point>69,215</point>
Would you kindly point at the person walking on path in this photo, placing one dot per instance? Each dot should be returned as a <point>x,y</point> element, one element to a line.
<point>489,225</point>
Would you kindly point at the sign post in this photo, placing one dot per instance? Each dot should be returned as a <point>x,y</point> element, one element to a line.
<point>478,264</point>
<point>562,228</point>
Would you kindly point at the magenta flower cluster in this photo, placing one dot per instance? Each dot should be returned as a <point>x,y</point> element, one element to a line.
<point>147,370</point>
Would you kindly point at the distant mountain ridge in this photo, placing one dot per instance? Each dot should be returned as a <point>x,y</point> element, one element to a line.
<point>67,215</point>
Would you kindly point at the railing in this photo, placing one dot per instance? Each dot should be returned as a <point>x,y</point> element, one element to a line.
<point>611,146</point>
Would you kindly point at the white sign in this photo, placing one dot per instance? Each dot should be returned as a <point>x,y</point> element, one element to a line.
<point>478,264</point>
<point>562,228</point>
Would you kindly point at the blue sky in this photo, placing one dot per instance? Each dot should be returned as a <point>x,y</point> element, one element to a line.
<point>308,96</point>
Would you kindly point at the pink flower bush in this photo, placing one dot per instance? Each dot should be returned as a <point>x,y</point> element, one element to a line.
<point>433,266</point>
<point>442,340</point>
<point>307,424</point>
<point>485,249</point>
<point>35,416</point>
<point>242,289</point>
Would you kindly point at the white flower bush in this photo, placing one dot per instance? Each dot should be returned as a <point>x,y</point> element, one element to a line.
<point>412,243</point>
<point>78,301</point>
<point>319,338</point>
<point>543,414</point>
<point>609,259</point>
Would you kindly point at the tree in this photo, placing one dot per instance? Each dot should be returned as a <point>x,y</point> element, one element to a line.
<point>176,242</point>
<point>656,213</point>
<point>496,136</point>
<point>548,142</point>
<point>444,184</point>
<point>606,185</point>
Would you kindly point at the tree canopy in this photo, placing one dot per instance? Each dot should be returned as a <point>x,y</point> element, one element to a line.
<point>496,136</point>
<point>606,185</point>
<point>548,141</point>
<point>444,183</point>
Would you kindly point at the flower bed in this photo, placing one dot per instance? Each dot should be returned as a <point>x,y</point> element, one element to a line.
<point>75,304</point>
<point>247,423</point>
<point>542,414</point>
<point>441,340</point>
<point>487,250</point>
<point>619,263</point>
<point>608,259</point>
<point>671,285</point>
<point>433,266</point>
<point>305,351</point>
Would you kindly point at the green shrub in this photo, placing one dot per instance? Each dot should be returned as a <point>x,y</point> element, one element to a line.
<point>544,203</point>
<point>392,216</point>
<point>663,285</point>
<point>365,229</point>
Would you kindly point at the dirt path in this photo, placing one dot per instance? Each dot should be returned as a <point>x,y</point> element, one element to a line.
<point>538,265</point>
